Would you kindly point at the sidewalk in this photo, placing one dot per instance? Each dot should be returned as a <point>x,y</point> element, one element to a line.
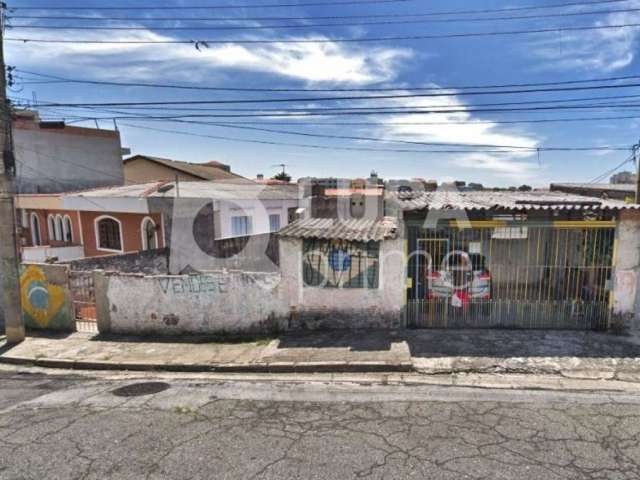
<point>579,355</point>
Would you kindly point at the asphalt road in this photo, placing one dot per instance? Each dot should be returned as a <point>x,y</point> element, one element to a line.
<point>65,427</point>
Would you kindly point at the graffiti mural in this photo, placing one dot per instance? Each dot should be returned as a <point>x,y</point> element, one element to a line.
<point>340,264</point>
<point>45,299</point>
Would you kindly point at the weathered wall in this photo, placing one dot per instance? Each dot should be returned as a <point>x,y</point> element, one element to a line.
<point>46,299</point>
<point>213,303</point>
<point>625,305</point>
<point>318,308</point>
<point>1,304</point>
<point>150,262</point>
<point>71,156</point>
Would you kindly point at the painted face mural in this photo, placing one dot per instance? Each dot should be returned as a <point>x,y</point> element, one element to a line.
<point>44,304</point>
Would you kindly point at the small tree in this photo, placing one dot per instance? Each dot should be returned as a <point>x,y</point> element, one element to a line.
<point>525,188</point>
<point>283,176</point>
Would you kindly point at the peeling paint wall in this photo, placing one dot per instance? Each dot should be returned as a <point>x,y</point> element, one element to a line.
<point>46,299</point>
<point>213,303</point>
<point>626,275</point>
<point>326,308</point>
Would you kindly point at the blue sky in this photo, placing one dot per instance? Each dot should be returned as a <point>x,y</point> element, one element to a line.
<point>544,57</point>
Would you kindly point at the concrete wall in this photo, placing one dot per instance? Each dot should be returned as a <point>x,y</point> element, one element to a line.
<point>150,262</point>
<point>213,303</point>
<point>66,159</point>
<point>46,299</point>
<point>626,275</point>
<point>318,308</point>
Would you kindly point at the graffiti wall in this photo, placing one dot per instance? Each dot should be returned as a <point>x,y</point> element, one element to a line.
<point>229,302</point>
<point>45,296</point>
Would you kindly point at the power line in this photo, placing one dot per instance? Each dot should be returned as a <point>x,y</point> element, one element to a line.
<point>203,43</point>
<point>446,144</point>
<point>342,98</point>
<point>476,122</point>
<point>216,7</point>
<point>604,175</point>
<point>336,112</point>
<point>51,106</point>
<point>409,21</point>
<point>311,146</point>
<point>201,7</point>
<point>367,89</point>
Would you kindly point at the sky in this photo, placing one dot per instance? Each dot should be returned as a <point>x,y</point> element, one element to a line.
<point>437,63</point>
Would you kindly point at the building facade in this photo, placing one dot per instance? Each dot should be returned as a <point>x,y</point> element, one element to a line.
<point>53,157</point>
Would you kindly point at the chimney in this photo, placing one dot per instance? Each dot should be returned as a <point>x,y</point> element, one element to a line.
<point>260,176</point>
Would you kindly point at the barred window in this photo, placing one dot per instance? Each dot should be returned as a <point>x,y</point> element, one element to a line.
<point>109,234</point>
<point>340,264</point>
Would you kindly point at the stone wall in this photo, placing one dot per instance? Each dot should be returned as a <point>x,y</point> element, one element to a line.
<point>149,262</point>
<point>327,308</point>
<point>46,299</point>
<point>211,303</point>
<point>626,274</point>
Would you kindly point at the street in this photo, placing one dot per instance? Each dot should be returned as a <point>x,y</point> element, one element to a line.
<point>68,426</point>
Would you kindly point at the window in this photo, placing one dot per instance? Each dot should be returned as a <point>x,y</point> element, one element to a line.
<point>108,234</point>
<point>337,264</point>
<point>67,229</point>
<point>513,231</point>
<point>59,229</point>
<point>240,226</point>
<point>274,222</point>
<point>51,224</point>
<point>36,240</point>
<point>149,234</point>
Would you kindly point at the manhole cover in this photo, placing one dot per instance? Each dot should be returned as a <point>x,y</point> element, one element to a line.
<point>140,389</point>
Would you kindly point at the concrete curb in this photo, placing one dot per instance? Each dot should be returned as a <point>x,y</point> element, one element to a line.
<point>280,367</point>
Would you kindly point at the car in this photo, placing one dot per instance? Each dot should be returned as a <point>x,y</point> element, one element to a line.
<point>462,277</point>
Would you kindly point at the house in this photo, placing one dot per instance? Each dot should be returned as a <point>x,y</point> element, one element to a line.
<point>187,216</point>
<point>468,260</point>
<point>53,157</point>
<point>618,191</point>
<point>144,168</point>
<point>70,226</point>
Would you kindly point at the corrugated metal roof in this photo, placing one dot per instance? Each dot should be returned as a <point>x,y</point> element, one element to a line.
<point>489,200</point>
<point>359,230</point>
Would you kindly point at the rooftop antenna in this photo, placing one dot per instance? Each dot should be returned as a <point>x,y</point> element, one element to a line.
<point>283,166</point>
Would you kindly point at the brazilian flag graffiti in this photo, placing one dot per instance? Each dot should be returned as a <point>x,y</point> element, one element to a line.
<point>44,304</point>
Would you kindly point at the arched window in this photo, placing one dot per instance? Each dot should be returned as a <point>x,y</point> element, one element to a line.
<point>59,228</point>
<point>51,224</point>
<point>108,234</point>
<point>36,240</point>
<point>149,234</point>
<point>67,229</point>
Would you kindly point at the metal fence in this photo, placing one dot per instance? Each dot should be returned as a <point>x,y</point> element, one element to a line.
<point>83,296</point>
<point>511,275</point>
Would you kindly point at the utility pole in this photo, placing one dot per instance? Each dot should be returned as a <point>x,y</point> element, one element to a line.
<point>14,325</point>
<point>637,162</point>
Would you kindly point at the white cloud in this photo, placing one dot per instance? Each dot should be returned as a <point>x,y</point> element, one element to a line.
<point>602,50</point>
<point>514,165</point>
<point>325,62</point>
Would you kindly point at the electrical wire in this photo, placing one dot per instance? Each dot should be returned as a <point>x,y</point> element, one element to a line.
<point>204,43</point>
<point>216,7</point>
<point>203,7</point>
<point>365,89</point>
<point>604,175</point>
<point>410,21</point>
